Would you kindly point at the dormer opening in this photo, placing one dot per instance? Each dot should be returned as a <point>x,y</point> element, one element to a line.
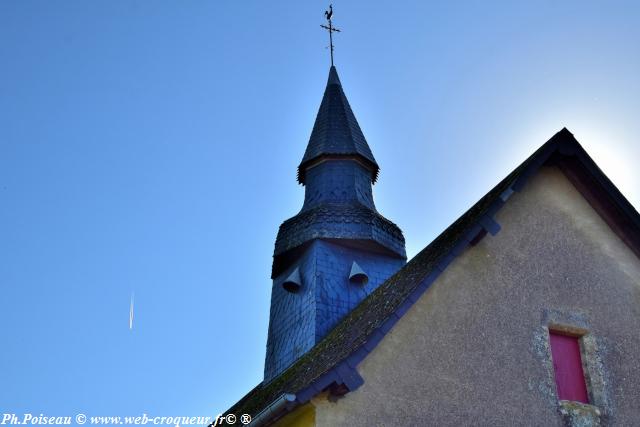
<point>293,282</point>
<point>357,275</point>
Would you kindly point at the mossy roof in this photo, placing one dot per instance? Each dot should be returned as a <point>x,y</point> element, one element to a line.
<point>359,325</point>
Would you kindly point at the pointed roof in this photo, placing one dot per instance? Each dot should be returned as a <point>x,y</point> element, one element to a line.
<point>332,360</point>
<point>336,131</point>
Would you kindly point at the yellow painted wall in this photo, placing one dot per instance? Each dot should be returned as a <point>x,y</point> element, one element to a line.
<point>304,416</point>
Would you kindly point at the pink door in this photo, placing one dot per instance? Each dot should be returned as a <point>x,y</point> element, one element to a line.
<point>567,364</point>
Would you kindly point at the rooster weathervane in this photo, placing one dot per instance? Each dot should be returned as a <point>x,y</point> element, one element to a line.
<point>330,28</point>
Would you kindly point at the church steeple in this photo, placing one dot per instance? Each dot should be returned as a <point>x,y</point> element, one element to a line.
<point>338,170</point>
<point>336,132</point>
<point>338,248</point>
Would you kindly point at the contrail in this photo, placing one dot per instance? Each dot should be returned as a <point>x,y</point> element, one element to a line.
<point>131,313</point>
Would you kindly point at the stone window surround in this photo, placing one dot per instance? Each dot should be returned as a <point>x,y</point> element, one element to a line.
<point>575,324</point>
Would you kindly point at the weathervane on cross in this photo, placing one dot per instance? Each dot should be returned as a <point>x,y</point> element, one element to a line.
<point>331,29</point>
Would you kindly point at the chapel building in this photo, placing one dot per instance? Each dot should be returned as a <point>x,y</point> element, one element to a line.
<point>524,311</point>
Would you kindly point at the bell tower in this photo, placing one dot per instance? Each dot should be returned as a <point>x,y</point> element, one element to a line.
<point>338,248</point>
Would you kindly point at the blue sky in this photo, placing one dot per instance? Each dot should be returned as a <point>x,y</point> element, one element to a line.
<point>152,146</point>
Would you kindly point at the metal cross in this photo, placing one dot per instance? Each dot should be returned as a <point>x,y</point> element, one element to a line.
<point>331,29</point>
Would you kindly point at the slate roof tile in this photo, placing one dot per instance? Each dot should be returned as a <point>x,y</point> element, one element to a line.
<point>336,130</point>
<point>336,221</point>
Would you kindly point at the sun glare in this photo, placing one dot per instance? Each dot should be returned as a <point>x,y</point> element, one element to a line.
<point>612,153</point>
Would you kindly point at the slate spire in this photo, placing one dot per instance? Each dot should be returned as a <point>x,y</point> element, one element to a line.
<point>337,170</point>
<point>338,248</point>
<point>336,132</point>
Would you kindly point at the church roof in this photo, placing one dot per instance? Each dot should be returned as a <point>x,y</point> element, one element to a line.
<point>336,131</point>
<point>331,363</point>
<point>352,222</point>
